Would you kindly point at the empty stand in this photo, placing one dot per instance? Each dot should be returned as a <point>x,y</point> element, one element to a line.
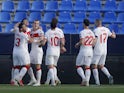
<point>37,6</point>
<point>7,6</point>
<point>52,6</point>
<point>34,16</point>
<point>5,17</point>
<point>64,17</point>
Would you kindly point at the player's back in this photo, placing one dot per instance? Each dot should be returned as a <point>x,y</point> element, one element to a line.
<point>102,34</point>
<point>21,41</point>
<point>53,41</point>
<point>88,37</point>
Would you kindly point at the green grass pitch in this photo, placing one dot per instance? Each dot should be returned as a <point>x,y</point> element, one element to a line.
<point>64,88</point>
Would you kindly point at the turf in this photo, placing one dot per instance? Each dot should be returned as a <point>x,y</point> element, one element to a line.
<point>63,89</point>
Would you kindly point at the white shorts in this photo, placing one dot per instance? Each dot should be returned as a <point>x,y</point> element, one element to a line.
<point>83,60</point>
<point>21,58</point>
<point>36,57</point>
<point>51,60</point>
<point>99,59</point>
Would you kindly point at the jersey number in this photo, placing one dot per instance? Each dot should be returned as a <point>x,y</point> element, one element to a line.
<point>103,38</point>
<point>88,40</point>
<point>55,41</point>
<point>17,43</point>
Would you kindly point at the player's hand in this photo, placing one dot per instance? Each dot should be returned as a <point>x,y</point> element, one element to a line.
<point>76,45</point>
<point>62,49</point>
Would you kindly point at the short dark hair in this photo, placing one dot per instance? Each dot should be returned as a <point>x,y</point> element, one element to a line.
<point>86,22</point>
<point>54,23</point>
<point>20,26</point>
<point>23,20</point>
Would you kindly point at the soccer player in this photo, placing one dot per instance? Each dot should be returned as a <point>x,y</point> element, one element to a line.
<point>36,53</point>
<point>55,42</point>
<point>100,51</point>
<point>87,40</point>
<point>20,54</point>
<point>15,30</point>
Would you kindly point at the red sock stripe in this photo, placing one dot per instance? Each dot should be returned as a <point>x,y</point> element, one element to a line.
<point>17,67</point>
<point>78,66</point>
<point>27,67</point>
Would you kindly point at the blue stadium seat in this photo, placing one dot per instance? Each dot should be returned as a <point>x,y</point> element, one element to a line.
<point>120,7</point>
<point>120,18</point>
<point>23,6</point>
<point>80,27</point>
<point>34,16</point>
<point>93,16</point>
<point>80,5</point>
<point>7,6</point>
<point>122,29</point>
<point>79,17</point>
<point>19,16</point>
<point>95,5</point>
<point>48,17</point>
<point>114,27</point>
<point>64,17</point>
<point>0,28</point>
<point>110,5</point>
<point>52,6</point>
<point>9,27</point>
<point>109,17</point>
<point>66,5</point>
<point>69,28</point>
<point>5,17</point>
<point>44,27</point>
<point>37,6</point>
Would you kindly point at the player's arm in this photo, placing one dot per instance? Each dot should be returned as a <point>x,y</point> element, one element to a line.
<point>42,42</point>
<point>62,45</point>
<point>15,27</point>
<point>79,43</point>
<point>113,35</point>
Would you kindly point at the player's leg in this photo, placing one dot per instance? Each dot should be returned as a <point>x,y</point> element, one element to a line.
<point>31,74</point>
<point>80,71</point>
<point>22,73</point>
<point>57,81</point>
<point>38,74</point>
<point>50,65</point>
<point>95,69</point>
<point>105,70</point>
<point>87,63</point>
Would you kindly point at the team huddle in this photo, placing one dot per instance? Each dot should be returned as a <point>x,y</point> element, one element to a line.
<point>92,54</point>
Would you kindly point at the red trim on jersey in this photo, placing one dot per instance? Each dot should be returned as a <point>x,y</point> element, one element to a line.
<point>87,68</point>
<point>78,67</point>
<point>38,69</point>
<point>35,35</point>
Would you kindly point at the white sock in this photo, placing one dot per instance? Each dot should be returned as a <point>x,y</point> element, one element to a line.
<point>96,76</point>
<point>31,74</point>
<point>55,73</point>
<point>106,72</point>
<point>22,72</point>
<point>51,73</point>
<point>87,74</point>
<point>12,74</point>
<point>38,75</point>
<point>81,72</point>
<point>48,77</point>
<point>16,73</point>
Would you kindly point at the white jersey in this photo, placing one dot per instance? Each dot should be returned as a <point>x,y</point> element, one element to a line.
<point>36,53</point>
<point>53,41</point>
<point>88,36</point>
<point>101,34</point>
<point>20,51</point>
<point>36,35</point>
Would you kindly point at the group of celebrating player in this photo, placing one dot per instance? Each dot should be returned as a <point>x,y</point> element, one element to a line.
<point>54,37</point>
